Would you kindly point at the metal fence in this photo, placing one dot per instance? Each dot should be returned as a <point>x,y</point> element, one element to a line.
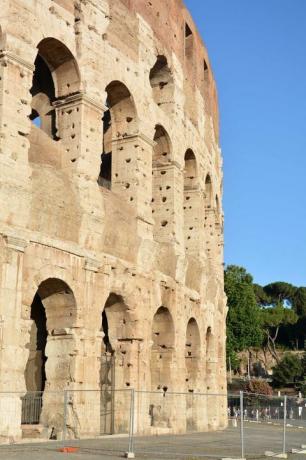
<point>162,423</point>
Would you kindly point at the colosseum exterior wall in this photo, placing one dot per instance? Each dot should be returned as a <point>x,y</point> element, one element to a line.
<point>111,224</point>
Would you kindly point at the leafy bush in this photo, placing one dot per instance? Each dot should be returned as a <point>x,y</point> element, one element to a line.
<point>258,386</point>
<point>302,388</point>
<point>288,371</point>
<point>303,362</point>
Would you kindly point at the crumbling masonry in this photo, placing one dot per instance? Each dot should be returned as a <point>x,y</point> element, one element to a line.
<point>111,225</point>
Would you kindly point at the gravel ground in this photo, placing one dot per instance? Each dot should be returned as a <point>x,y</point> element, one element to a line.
<point>258,439</point>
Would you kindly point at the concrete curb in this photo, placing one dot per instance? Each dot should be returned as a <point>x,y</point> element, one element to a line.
<point>269,453</point>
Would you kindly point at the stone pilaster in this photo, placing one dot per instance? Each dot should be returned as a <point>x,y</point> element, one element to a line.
<point>12,355</point>
<point>15,107</point>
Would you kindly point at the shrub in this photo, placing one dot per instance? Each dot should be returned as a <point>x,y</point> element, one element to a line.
<point>258,386</point>
<point>288,371</point>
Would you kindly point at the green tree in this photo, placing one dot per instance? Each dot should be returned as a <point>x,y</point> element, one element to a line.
<point>244,320</point>
<point>299,302</point>
<point>279,292</point>
<point>287,371</point>
<point>272,319</point>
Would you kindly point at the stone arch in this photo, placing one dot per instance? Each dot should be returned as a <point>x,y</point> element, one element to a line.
<point>191,202</point>
<point>208,191</point>
<point>162,349</point>
<point>161,189</point>
<point>120,122</point>
<point>50,364</point>
<point>62,65</point>
<point>161,81</point>
<point>210,218</point>
<point>121,105</point>
<point>190,170</point>
<point>192,353</point>
<point>162,150</point>
<point>210,357</point>
<point>56,75</point>
<point>116,370</point>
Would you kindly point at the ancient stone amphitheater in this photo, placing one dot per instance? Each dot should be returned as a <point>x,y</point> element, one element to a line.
<point>111,225</point>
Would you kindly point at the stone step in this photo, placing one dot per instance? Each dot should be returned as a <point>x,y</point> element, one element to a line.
<point>32,431</point>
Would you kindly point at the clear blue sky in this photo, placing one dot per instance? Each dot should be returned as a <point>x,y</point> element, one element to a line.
<point>257,49</point>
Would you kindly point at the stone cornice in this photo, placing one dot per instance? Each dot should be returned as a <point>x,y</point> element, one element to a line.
<point>16,243</point>
<point>131,137</point>
<point>170,165</point>
<point>9,56</point>
<point>78,98</point>
<point>92,265</point>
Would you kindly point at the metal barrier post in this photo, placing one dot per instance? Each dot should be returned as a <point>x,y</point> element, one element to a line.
<point>65,414</point>
<point>130,453</point>
<point>242,424</point>
<point>285,424</point>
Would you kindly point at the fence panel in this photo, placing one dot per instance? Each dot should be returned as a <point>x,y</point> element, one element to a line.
<point>264,424</point>
<point>180,424</point>
<point>158,424</point>
<point>296,422</point>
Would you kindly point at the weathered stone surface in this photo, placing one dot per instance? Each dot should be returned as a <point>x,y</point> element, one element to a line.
<point>111,273</point>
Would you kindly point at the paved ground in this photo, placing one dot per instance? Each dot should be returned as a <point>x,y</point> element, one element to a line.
<point>258,439</point>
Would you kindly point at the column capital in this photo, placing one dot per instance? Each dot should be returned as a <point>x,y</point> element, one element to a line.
<point>133,138</point>
<point>79,98</point>
<point>92,265</point>
<point>16,243</point>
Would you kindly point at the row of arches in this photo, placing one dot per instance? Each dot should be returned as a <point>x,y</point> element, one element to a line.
<point>51,364</point>
<point>57,76</point>
<point>53,312</point>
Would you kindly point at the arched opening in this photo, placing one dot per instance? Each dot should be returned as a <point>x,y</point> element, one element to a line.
<point>161,184</point>
<point>162,349</point>
<point>49,366</point>
<point>192,362</point>
<point>160,365</point>
<point>208,191</point>
<point>191,202</point>
<point>188,42</point>
<point>210,222</point>
<point>209,357</point>
<point>192,354</point>
<point>162,147</point>
<point>43,95</point>
<point>119,123</point>
<point>161,81</point>
<point>56,76</point>
<point>105,175</point>
<point>212,379</point>
<point>115,363</point>
<point>190,170</point>
<point>35,373</point>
